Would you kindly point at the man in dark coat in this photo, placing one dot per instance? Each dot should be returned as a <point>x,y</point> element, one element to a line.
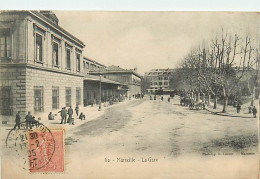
<point>35,122</point>
<point>77,110</point>
<point>254,111</point>
<point>250,109</point>
<point>17,120</point>
<point>238,108</point>
<point>63,114</point>
<point>70,113</point>
<point>82,116</point>
<point>28,120</point>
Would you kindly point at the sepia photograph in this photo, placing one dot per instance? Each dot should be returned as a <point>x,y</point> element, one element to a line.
<point>129,94</point>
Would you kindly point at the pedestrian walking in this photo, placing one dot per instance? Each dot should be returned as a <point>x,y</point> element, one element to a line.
<point>151,97</point>
<point>154,97</point>
<point>162,98</point>
<point>238,108</point>
<point>28,120</point>
<point>77,109</point>
<point>17,120</point>
<point>169,99</point>
<point>254,111</point>
<point>70,113</point>
<point>249,109</point>
<point>63,115</point>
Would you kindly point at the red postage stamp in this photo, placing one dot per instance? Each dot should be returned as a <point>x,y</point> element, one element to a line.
<point>46,150</point>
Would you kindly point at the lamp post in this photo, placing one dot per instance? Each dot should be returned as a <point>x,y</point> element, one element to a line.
<point>99,107</point>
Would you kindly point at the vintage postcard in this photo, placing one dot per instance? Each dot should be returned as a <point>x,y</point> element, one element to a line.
<point>99,94</point>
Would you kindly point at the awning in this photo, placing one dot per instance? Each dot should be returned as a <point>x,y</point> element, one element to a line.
<point>103,80</point>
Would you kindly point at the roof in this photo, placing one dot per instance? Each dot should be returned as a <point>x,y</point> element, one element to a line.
<point>37,13</point>
<point>103,80</point>
<point>49,21</point>
<point>115,69</point>
<point>93,61</point>
<point>158,72</point>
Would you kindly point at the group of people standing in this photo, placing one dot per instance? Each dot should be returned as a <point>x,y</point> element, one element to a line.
<point>155,97</point>
<point>250,108</point>
<point>29,120</point>
<point>64,113</point>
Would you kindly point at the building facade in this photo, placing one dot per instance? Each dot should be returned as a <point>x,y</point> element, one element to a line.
<point>41,64</point>
<point>92,65</point>
<point>126,77</point>
<point>92,93</point>
<point>159,79</point>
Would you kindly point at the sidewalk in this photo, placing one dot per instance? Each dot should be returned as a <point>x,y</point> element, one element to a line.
<point>232,111</point>
<point>91,113</point>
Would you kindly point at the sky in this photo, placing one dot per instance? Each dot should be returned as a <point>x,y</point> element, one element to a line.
<point>149,40</point>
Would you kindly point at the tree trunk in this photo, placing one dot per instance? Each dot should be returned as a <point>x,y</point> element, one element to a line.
<point>225,104</point>
<point>215,102</point>
<point>208,99</point>
<point>253,96</point>
<point>191,94</point>
<point>225,98</point>
<point>203,97</point>
<point>198,97</point>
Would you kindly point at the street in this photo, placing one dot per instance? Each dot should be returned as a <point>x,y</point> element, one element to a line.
<point>163,129</point>
<point>135,137</point>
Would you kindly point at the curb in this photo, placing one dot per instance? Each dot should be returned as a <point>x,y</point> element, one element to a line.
<point>220,114</point>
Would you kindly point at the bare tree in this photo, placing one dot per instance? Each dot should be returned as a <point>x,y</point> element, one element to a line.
<point>218,68</point>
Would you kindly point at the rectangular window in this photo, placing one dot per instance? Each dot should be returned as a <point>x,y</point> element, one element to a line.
<point>55,97</point>
<point>55,54</point>
<point>68,52</point>
<point>5,43</point>
<point>160,83</point>
<point>124,78</point>
<point>68,97</point>
<point>6,101</point>
<point>38,99</point>
<point>165,83</point>
<point>165,78</point>
<point>155,83</point>
<point>151,83</point>
<point>78,96</point>
<point>38,48</point>
<point>78,61</point>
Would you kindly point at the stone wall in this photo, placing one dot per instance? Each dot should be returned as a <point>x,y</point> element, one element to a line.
<point>47,80</point>
<point>15,77</point>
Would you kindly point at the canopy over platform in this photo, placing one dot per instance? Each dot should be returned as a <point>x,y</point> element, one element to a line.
<point>103,80</point>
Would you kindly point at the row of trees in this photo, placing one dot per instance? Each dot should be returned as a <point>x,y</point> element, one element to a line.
<point>219,68</point>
